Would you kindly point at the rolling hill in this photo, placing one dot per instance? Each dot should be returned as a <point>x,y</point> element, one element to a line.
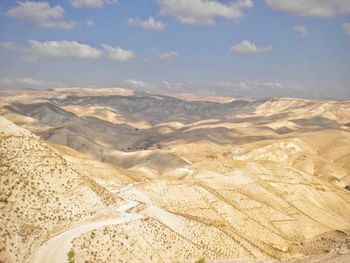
<point>136,177</point>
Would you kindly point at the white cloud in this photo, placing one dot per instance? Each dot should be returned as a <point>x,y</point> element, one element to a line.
<point>118,53</point>
<point>317,8</point>
<point>136,84</point>
<point>91,3</point>
<point>41,14</point>
<point>68,49</point>
<point>9,46</point>
<point>62,49</point>
<point>149,24</point>
<point>28,83</point>
<point>203,11</point>
<point>301,31</point>
<point>162,57</point>
<point>247,47</point>
<point>346,28</point>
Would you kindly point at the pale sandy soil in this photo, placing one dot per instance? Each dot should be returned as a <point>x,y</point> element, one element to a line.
<point>118,176</point>
<point>56,249</point>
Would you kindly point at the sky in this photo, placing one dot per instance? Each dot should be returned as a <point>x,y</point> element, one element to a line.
<point>261,48</point>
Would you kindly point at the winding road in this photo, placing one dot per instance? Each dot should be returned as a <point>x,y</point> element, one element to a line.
<point>56,249</point>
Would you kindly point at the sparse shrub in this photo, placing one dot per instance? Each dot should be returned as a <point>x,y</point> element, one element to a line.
<point>70,256</point>
<point>201,260</point>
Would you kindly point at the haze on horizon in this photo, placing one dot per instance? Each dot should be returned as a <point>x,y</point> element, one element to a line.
<point>234,48</point>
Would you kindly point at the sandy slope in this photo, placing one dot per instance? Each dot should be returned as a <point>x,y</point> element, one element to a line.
<point>40,194</point>
<point>56,249</point>
<point>219,178</point>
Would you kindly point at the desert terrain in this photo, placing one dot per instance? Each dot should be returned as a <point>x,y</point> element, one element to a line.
<point>114,175</point>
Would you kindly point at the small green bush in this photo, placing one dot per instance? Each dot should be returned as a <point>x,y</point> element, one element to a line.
<point>70,256</point>
<point>201,260</point>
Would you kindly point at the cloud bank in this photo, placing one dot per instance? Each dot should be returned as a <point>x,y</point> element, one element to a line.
<point>315,8</point>
<point>37,50</point>
<point>40,14</point>
<point>62,49</point>
<point>118,53</point>
<point>203,12</point>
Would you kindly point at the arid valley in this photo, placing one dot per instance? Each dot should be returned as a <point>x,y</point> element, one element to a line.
<point>114,175</point>
<point>175,131</point>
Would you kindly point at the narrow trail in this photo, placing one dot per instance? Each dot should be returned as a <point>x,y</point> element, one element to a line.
<point>55,250</point>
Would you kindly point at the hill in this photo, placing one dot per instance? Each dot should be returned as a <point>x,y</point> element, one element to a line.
<point>137,177</point>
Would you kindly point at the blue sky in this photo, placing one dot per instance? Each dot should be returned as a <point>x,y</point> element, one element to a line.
<point>237,48</point>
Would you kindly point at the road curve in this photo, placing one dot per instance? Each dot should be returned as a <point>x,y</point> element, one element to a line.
<point>55,250</point>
